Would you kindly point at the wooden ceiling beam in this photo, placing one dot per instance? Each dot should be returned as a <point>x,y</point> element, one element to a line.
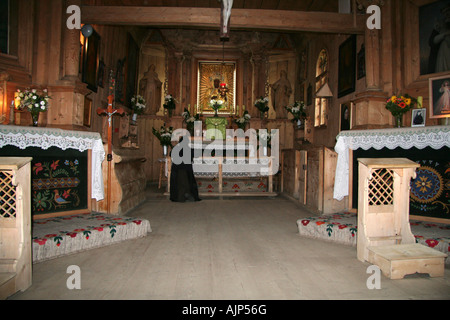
<point>246,19</point>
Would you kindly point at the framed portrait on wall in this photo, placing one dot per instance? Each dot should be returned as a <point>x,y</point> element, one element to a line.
<point>91,61</point>
<point>433,31</point>
<point>216,80</point>
<point>346,116</point>
<point>347,67</point>
<point>439,89</point>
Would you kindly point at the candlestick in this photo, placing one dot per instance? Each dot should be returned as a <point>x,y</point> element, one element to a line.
<point>419,102</point>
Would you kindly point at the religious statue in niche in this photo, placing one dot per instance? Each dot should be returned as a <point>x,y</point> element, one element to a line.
<point>281,91</point>
<point>150,88</point>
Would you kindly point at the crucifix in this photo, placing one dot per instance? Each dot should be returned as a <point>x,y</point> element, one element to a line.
<point>109,112</point>
<point>225,12</point>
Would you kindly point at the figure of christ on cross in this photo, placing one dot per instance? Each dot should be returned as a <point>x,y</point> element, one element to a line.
<point>225,12</point>
<point>109,112</point>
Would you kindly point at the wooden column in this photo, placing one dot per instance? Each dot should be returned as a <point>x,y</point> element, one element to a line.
<point>71,48</point>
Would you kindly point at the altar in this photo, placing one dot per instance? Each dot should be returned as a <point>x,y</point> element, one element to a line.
<point>225,163</point>
<point>66,167</point>
<point>428,146</point>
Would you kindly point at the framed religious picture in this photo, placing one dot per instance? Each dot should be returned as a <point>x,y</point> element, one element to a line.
<point>418,117</point>
<point>433,33</point>
<point>347,66</point>
<point>216,80</point>
<point>439,89</point>
<point>91,61</point>
<point>361,68</point>
<point>345,119</point>
<point>87,112</point>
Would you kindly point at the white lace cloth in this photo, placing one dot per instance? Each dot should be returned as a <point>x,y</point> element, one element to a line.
<point>435,137</point>
<point>44,138</point>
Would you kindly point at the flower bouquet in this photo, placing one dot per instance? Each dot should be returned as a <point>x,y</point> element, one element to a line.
<point>216,105</point>
<point>138,105</point>
<point>400,105</point>
<point>262,105</point>
<point>169,104</point>
<point>190,120</point>
<point>164,136</point>
<point>33,102</point>
<point>298,111</point>
<point>242,121</point>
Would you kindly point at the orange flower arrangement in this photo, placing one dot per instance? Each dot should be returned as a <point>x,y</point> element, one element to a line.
<point>399,105</point>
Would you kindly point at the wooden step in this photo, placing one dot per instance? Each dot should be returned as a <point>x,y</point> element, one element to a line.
<point>396,261</point>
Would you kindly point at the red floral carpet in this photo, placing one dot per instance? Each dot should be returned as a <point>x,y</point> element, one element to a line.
<point>342,228</point>
<point>55,237</point>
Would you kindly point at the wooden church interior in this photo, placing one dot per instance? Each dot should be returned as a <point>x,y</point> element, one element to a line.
<point>330,59</point>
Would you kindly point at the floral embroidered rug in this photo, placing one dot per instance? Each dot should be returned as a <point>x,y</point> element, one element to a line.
<point>342,228</point>
<point>59,236</point>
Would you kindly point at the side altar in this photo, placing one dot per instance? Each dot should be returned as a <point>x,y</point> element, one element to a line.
<point>66,170</point>
<point>427,146</point>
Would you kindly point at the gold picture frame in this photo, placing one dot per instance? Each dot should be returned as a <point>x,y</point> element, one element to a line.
<point>211,74</point>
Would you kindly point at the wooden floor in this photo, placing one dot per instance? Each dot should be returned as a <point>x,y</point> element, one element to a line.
<point>235,249</point>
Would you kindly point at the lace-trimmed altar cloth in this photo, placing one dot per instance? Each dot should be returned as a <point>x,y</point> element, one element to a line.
<point>44,138</point>
<point>435,137</point>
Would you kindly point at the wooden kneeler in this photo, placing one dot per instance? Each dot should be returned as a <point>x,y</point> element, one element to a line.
<point>384,233</point>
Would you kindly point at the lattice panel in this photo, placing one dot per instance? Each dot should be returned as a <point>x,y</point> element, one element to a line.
<point>381,187</point>
<point>7,195</point>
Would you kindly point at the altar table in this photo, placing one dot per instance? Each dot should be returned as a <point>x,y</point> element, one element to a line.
<point>415,143</point>
<point>29,138</point>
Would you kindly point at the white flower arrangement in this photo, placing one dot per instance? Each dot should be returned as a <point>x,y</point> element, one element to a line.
<point>262,103</point>
<point>216,104</point>
<point>138,104</point>
<point>169,102</point>
<point>241,122</point>
<point>164,135</point>
<point>31,101</point>
<point>297,110</point>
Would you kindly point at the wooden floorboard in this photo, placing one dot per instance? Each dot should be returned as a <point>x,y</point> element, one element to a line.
<point>232,249</point>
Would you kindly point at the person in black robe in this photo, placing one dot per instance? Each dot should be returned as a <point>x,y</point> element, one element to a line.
<point>183,186</point>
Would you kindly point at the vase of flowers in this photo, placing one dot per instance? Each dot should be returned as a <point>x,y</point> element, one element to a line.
<point>262,105</point>
<point>138,105</point>
<point>242,121</point>
<point>264,139</point>
<point>33,102</point>
<point>398,106</point>
<point>216,104</point>
<point>169,104</point>
<point>164,136</point>
<point>298,111</point>
<point>190,120</point>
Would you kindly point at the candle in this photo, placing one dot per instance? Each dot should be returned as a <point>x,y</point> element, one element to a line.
<point>419,101</point>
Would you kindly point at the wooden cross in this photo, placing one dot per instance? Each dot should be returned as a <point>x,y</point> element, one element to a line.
<point>109,112</point>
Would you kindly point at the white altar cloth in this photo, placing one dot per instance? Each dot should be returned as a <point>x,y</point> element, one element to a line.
<point>44,138</point>
<point>435,137</point>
